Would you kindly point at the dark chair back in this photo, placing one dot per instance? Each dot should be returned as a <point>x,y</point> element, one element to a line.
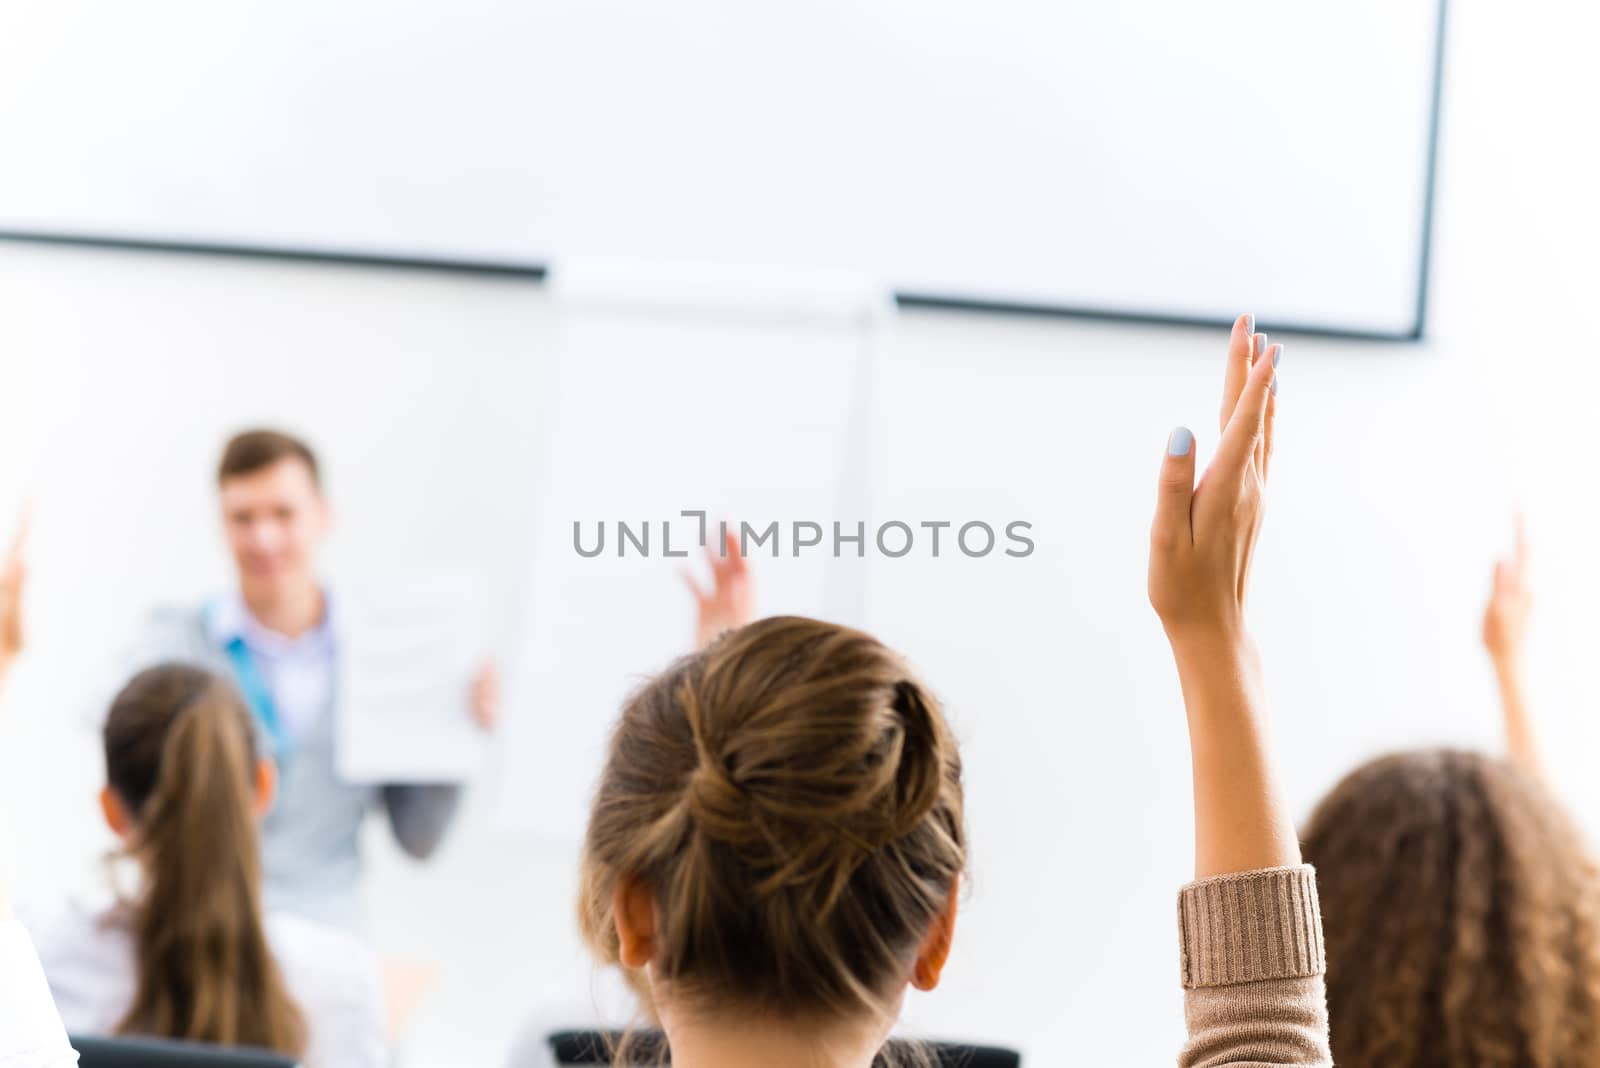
<point>102,1052</point>
<point>578,1048</point>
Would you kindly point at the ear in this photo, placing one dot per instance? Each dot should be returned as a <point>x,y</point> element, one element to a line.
<point>936,946</point>
<point>266,786</point>
<point>634,908</point>
<point>115,812</point>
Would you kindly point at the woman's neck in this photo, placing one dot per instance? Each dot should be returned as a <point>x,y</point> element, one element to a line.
<point>770,1043</point>
<point>287,610</point>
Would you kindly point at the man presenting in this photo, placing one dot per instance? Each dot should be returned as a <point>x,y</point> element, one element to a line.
<point>278,638</point>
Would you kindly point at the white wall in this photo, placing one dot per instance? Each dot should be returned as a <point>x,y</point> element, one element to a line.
<point>1397,468</point>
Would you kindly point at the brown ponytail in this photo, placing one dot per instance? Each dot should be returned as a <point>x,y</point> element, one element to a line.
<point>792,798</point>
<point>181,757</point>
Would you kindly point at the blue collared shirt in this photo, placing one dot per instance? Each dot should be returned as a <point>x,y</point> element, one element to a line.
<point>299,672</point>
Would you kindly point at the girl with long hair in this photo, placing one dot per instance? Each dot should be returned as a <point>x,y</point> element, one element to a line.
<point>192,954</point>
<point>1462,902</point>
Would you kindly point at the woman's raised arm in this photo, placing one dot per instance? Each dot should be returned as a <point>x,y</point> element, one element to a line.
<point>1252,958</point>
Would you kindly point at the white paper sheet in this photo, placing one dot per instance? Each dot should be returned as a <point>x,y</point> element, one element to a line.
<point>408,651</point>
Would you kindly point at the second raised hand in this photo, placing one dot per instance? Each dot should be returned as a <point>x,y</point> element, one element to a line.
<point>729,603</point>
<point>1505,628</point>
<point>11,583</point>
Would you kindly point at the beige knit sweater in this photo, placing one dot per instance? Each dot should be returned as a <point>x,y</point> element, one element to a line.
<point>1252,970</point>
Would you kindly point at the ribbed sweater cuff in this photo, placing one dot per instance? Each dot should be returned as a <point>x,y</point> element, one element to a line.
<point>1250,926</point>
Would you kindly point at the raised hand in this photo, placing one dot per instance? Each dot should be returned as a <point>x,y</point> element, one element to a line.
<point>1204,536</point>
<point>1505,617</point>
<point>1505,626</point>
<point>12,573</point>
<point>730,601</point>
<point>1200,548</point>
<point>485,700</point>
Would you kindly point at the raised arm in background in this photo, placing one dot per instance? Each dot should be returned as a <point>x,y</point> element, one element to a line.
<point>31,1035</point>
<point>730,602</point>
<point>1505,626</point>
<point>1251,938</point>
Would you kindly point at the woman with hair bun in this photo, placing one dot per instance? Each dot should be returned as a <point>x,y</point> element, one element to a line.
<point>776,845</point>
<point>763,785</point>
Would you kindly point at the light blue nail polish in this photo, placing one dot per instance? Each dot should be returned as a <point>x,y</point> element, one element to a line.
<point>1249,324</point>
<point>1277,354</point>
<point>1180,442</point>
<point>1260,346</point>
<point>1274,384</point>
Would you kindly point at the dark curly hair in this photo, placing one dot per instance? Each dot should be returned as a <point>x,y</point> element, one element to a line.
<point>1462,915</point>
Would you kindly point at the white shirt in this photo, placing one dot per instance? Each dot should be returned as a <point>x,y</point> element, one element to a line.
<point>88,957</point>
<point>298,672</point>
<point>31,1035</point>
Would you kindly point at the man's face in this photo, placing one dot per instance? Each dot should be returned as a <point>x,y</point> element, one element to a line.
<point>274,518</point>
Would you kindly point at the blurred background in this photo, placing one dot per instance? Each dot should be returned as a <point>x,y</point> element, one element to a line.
<point>1159,166</point>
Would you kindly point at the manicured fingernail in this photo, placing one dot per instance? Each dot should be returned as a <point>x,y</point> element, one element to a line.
<point>1180,442</point>
<point>1249,324</point>
<point>1260,347</point>
<point>1277,354</point>
<point>1274,383</point>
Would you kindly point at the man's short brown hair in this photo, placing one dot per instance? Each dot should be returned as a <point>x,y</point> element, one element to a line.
<point>254,450</point>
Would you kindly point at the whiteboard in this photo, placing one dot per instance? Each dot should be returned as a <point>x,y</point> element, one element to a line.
<point>1148,157</point>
